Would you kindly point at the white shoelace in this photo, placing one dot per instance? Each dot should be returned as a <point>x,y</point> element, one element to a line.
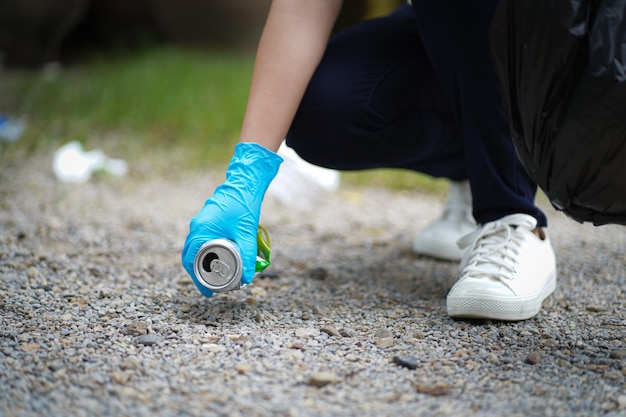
<point>495,248</point>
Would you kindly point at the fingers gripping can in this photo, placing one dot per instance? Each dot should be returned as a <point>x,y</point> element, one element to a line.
<point>218,264</point>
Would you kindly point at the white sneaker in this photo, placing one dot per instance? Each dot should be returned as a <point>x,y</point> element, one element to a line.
<point>300,184</point>
<point>439,239</point>
<point>506,272</point>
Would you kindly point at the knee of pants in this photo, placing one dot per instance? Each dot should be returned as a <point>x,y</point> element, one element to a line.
<point>314,134</point>
<point>334,123</point>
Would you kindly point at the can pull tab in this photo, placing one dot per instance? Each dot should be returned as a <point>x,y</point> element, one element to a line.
<point>264,257</point>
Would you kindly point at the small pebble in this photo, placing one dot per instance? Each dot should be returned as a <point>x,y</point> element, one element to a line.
<point>347,332</point>
<point>384,343</point>
<point>493,359</point>
<point>407,361</point>
<point>119,377</point>
<point>258,292</point>
<point>321,379</point>
<point>436,389</point>
<point>130,364</point>
<point>382,333</point>
<point>66,317</point>
<point>30,347</point>
<point>534,358</point>
<point>150,339</point>
<point>243,368</point>
<point>550,343</point>
<point>304,332</point>
<point>330,330</point>
<point>318,273</point>
<point>137,328</point>
<point>613,375</point>
<point>618,354</point>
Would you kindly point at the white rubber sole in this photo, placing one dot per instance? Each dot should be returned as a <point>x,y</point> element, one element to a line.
<point>438,250</point>
<point>498,308</point>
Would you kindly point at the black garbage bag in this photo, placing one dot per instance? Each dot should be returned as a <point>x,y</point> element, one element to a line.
<point>562,67</point>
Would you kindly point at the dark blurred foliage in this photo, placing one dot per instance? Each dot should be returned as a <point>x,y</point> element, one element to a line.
<point>35,32</point>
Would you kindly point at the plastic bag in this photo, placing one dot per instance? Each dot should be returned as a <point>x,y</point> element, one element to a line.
<point>562,67</point>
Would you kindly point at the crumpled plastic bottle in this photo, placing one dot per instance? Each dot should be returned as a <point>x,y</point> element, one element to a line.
<point>72,164</point>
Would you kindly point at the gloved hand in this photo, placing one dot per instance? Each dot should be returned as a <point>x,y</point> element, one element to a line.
<point>234,209</point>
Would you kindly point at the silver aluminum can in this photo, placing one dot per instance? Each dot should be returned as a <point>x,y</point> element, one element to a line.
<point>218,265</point>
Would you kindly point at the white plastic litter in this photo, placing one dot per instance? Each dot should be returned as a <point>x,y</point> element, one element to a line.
<point>300,184</point>
<point>72,164</point>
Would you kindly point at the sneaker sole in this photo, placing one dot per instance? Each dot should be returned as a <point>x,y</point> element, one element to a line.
<point>498,308</point>
<point>437,250</point>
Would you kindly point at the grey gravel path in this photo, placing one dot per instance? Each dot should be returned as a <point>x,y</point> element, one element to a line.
<point>97,317</point>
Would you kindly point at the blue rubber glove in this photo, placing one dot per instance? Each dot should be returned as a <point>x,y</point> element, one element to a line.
<point>234,209</point>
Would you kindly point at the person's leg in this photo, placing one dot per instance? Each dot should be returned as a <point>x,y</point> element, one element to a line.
<point>455,34</point>
<point>509,267</point>
<point>374,103</point>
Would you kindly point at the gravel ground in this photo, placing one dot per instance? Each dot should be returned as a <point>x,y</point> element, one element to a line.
<point>99,318</point>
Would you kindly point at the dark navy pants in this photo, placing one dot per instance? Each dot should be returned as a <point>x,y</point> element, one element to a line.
<point>417,90</point>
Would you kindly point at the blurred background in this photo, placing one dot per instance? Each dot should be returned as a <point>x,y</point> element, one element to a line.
<point>136,76</point>
<point>33,32</point>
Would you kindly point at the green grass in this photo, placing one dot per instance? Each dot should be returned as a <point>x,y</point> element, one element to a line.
<point>166,98</point>
<point>397,180</point>
<point>185,105</point>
